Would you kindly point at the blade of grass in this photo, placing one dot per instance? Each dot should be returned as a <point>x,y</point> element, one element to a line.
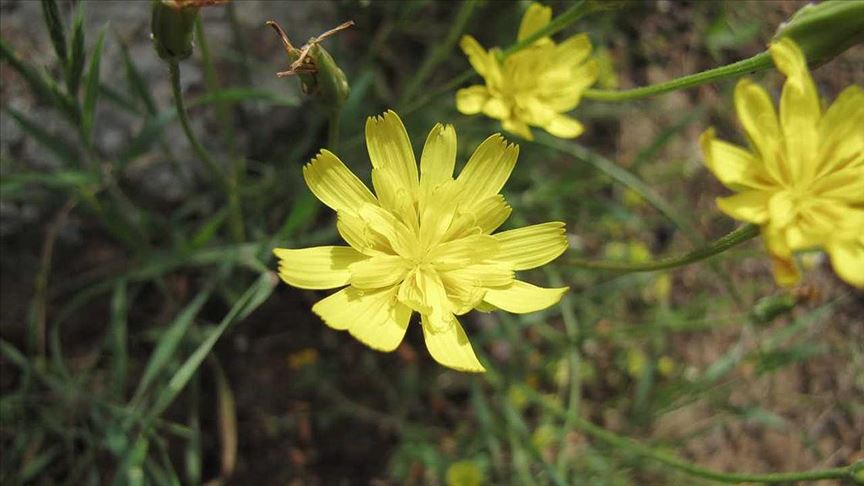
<point>227,422</point>
<point>91,90</point>
<point>54,22</point>
<point>64,151</point>
<point>75,67</point>
<point>169,342</point>
<point>117,337</point>
<point>254,296</point>
<point>137,85</point>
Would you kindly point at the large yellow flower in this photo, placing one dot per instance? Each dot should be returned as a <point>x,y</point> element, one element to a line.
<point>421,243</point>
<point>803,179</point>
<point>534,86</point>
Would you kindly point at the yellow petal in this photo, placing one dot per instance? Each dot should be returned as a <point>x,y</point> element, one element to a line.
<point>390,150</point>
<point>518,127</point>
<point>334,184</point>
<point>490,213</point>
<point>482,61</point>
<point>750,206</point>
<point>470,100</point>
<point>562,88</point>
<point>496,108</point>
<point>799,108</point>
<point>423,291</point>
<point>536,17</point>
<point>521,297</point>
<point>846,185</point>
<point>487,170</point>
<point>322,267</point>
<point>785,271</point>
<point>783,208</point>
<point>464,251</point>
<point>840,133</point>
<point>356,233</point>
<point>531,246</point>
<point>450,346</point>
<point>439,156</point>
<point>378,271</point>
<point>373,317</point>
<point>731,164</point>
<point>757,116</point>
<point>847,259</point>
<point>563,126</point>
<point>573,51</point>
<point>378,220</point>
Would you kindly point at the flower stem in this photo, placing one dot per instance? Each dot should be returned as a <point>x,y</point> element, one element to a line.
<point>740,235</point>
<point>226,184</point>
<point>758,62</point>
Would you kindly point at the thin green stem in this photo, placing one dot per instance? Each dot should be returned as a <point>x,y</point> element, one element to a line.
<point>441,51</point>
<point>225,183</point>
<point>758,62</point>
<point>735,238</point>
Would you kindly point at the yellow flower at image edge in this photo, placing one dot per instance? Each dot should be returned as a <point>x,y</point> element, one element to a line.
<point>803,179</point>
<point>422,243</point>
<point>534,86</point>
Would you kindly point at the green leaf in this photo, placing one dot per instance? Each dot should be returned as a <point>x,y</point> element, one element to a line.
<point>55,144</point>
<point>118,337</point>
<point>137,85</point>
<point>37,464</point>
<point>15,185</point>
<point>55,28</point>
<point>130,471</point>
<point>42,86</point>
<point>169,342</point>
<point>75,67</point>
<point>91,90</point>
<point>207,231</point>
<point>254,296</point>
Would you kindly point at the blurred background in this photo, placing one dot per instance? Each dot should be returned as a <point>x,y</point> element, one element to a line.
<point>146,341</point>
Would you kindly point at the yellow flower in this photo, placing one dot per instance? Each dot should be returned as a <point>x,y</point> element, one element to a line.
<point>533,86</point>
<point>803,179</point>
<point>422,243</point>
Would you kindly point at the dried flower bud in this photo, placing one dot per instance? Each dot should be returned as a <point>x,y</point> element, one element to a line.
<point>825,30</point>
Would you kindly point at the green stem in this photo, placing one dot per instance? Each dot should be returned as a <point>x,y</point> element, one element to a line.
<point>226,184</point>
<point>441,51</point>
<point>740,235</point>
<point>758,62</point>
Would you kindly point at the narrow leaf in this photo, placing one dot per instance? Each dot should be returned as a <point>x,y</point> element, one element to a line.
<point>137,85</point>
<point>118,337</point>
<point>75,66</point>
<point>56,145</point>
<point>245,305</point>
<point>169,342</point>
<point>55,28</point>
<point>91,90</point>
